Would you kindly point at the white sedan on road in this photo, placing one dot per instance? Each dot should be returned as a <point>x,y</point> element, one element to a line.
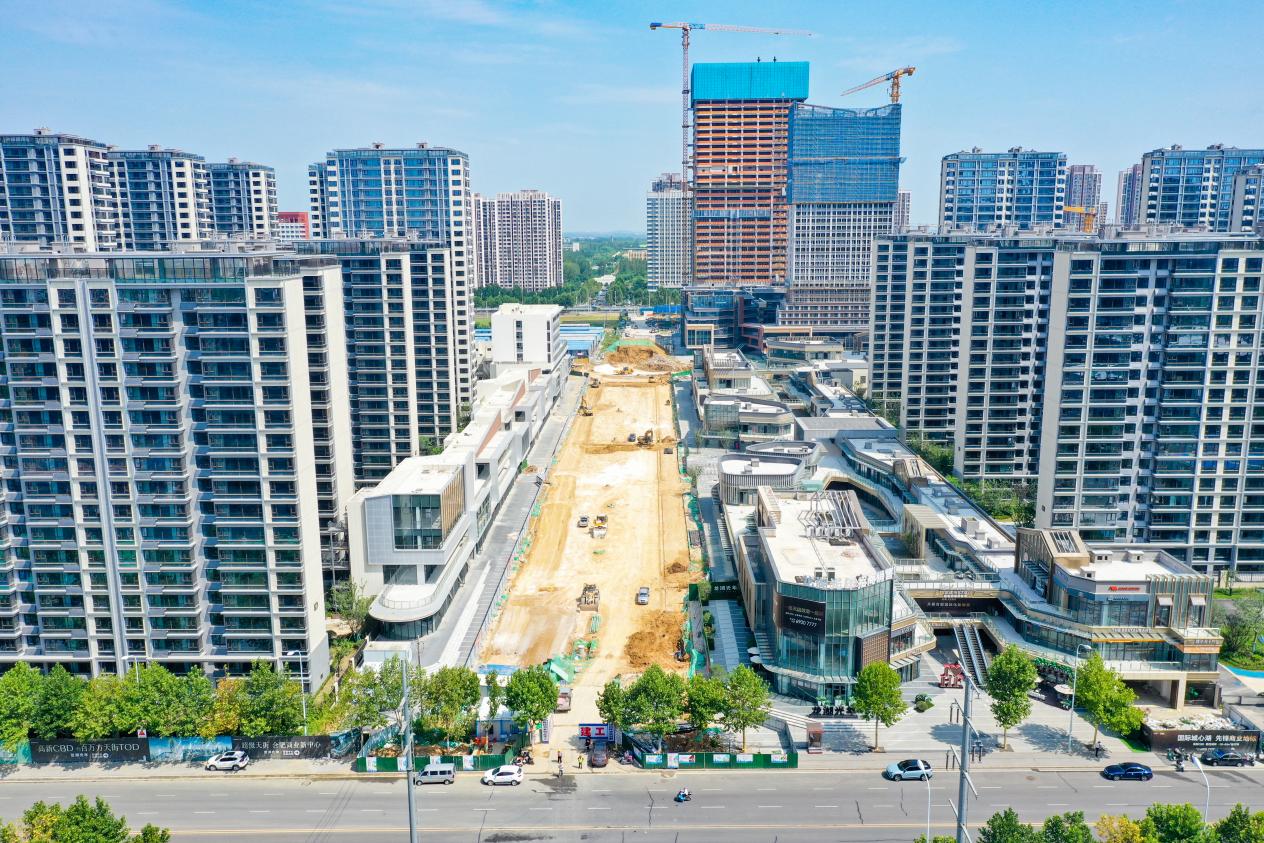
<point>505,774</point>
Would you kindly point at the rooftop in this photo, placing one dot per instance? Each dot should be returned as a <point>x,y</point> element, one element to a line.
<point>818,537</point>
<point>751,464</point>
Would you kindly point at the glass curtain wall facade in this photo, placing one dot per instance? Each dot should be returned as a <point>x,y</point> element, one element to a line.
<point>1193,187</point>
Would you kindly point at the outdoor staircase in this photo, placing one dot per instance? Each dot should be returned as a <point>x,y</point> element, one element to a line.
<point>974,657</point>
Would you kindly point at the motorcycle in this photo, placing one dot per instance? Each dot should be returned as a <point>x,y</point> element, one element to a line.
<point>683,795</point>
<point>524,758</point>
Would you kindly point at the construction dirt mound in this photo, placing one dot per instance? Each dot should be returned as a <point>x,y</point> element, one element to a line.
<point>647,358</point>
<point>654,642</point>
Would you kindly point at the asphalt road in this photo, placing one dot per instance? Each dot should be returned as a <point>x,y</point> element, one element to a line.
<point>783,807</point>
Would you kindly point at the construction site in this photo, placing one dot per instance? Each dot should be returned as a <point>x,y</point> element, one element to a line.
<point>611,523</point>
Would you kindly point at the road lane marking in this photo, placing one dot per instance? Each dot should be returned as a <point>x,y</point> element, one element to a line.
<point>601,790</point>
<point>599,808</point>
<point>539,809</point>
<point>990,787</point>
<point>368,810</point>
<point>767,806</point>
<point>314,811</point>
<point>482,809</point>
<point>826,806</point>
<point>1046,787</point>
<point>203,812</point>
<point>765,788</point>
<point>1160,785</point>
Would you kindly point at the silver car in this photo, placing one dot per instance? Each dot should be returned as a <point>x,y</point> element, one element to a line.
<point>643,596</point>
<point>911,769</point>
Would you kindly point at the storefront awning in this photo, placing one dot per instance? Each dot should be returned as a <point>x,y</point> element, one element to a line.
<point>1165,600</point>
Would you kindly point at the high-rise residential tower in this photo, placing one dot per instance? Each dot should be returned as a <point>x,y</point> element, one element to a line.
<point>1083,190</point>
<point>161,501</point>
<point>318,200</point>
<point>1245,213</point>
<point>163,197</point>
<point>293,226</point>
<point>1192,187</point>
<point>243,198</point>
<point>903,212</point>
<point>519,240</point>
<point>667,232</point>
<point>741,116</point>
<point>1020,188</point>
<point>57,188</point>
<point>1128,197</point>
<point>842,188</point>
<point>1118,376</point>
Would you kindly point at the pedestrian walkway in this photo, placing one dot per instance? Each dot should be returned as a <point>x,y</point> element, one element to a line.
<point>730,635</point>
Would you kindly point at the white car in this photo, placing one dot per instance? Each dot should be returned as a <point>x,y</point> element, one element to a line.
<point>505,774</point>
<point>230,761</point>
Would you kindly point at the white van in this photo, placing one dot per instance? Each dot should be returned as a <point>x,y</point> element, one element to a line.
<point>436,774</point>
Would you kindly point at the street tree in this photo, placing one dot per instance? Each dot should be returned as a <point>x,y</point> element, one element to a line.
<point>19,697</point>
<point>1241,826</point>
<point>1113,828</point>
<point>1066,828</point>
<point>746,702</point>
<point>495,694</point>
<point>532,696</point>
<point>450,702</point>
<point>612,705</point>
<point>348,601</point>
<point>877,696</point>
<point>1173,824</point>
<point>80,822</point>
<point>656,701</point>
<point>96,716</point>
<point>272,702</point>
<point>189,705</point>
<point>1005,827</point>
<point>704,701</point>
<point>59,696</point>
<point>1010,679</point>
<point>1107,700</point>
<point>938,838</point>
<point>225,716</point>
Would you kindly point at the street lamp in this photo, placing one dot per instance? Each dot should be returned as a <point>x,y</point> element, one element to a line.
<point>303,679</point>
<point>134,664</point>
<point>1075,677</point>
<point>1207,803</point>
<point>927,780</point>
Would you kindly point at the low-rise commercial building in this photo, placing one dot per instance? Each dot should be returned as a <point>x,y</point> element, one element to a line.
<point>737,407</point>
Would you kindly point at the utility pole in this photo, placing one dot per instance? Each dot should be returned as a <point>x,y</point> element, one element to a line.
<point>963,782</point>
<point>406,721</point>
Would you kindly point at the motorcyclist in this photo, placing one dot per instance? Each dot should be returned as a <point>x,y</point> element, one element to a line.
<point>683,795</point>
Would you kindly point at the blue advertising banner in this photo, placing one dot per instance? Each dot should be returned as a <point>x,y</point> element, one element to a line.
<point>187,749</point>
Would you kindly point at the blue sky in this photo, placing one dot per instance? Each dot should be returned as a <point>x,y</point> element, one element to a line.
<point>581,99</point>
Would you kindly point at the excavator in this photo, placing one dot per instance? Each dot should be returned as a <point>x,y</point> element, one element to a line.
<point>646,438</point>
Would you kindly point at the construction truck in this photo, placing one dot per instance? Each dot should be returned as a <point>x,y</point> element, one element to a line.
<point>626,370</point>
<point>599,527</point>
<point>594,383</point>
<point>646,438</point>
<point>584,409</point>
<point>589,599</point>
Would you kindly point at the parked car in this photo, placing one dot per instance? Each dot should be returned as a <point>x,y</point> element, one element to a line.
<point>911,769</point>
<point>1225,758</point>
<point>1128,770</point>
<point>599,755</point>
<point>504,774</point>
<point>436,774</point>
<point>230,761</point>
<point>643,596</point>
<point>583,521</point>
<point>631,437</point>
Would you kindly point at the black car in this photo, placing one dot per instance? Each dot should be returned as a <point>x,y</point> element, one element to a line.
<point>1225,758</point>
<point>599,755</point>
<point>1128,770</point>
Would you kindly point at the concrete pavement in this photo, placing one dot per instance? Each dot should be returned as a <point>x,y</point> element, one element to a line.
<point>785,807</point>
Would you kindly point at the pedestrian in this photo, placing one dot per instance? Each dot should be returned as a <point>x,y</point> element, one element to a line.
<point>579,762</point>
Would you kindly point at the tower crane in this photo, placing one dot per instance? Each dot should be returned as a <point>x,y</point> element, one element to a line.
<point>686,28</point>
<point>893,77</point>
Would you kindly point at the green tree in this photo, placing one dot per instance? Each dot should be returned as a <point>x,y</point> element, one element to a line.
<point>1066,828</point>
<point>1010,679</point>
<point>348,601</point>
<point>704,701</point>
<point>746,702</point>
<point>19,696</point>
<point>96,716</point>
<point>1117,829</point>
<point>428,447</point>
<point>612,705</point>
<point>1005,827</point>
<point>938,838</point>
<point>656,701</point>
<point>1242,625</point>
<point>450,701</point>
<point>495,694</point>
<point>1173,824</point>
<point>59,696</point>
<point>271,702</point>
<point>192,697</point>
<point>80,822</point>
<point>1107,700</point>
<point>1241,826</point>
<point>531,695</point>
<point>226,705</point>
<point>877,696</point>
<point>147,691</point>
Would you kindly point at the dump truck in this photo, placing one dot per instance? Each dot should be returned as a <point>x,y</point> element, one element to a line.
<point>563,698</point>
<point>599,527</point>
<point>589,599</point>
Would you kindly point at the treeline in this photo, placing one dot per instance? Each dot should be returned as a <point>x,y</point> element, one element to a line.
<point>80,822</point>
<point>59,704</point>
<point>658,701</point>
<point>1161,824</point>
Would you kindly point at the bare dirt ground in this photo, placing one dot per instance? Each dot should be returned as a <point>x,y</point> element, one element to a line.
<point>639,489</point>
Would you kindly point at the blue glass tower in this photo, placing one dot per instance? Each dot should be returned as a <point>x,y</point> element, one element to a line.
<point>1193,187</point>
<point>983,190</point>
